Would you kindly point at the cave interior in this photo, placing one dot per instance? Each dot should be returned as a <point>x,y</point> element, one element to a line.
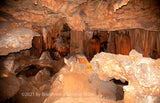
<point>79,51</point>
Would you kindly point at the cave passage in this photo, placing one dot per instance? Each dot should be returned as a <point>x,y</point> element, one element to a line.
<point>79,51</point>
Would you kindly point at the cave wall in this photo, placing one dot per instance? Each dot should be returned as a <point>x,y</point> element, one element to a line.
<point>84,17</point>
<point>107,15</point>
<point>122,42</point>
<point>67,27</point>
<point>92,42</point>
<point>55,39</point>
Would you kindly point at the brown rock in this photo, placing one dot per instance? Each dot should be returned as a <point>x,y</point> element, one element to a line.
<point>9,85</point>
<point>42,77</point>
<point>82,14</point>
<point>45,56</point>
<point>74,81</point>
<point>119,4</point>
<point>8,63</point>
<point>16,40</point>
<point>143,74</point>
<point>76,42</point>
<point>36,46</point>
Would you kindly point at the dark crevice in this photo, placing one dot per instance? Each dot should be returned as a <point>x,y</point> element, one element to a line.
<point>119,82</point>
<point>29,71</point>
<point>66,28</point>
<point>119,91</point>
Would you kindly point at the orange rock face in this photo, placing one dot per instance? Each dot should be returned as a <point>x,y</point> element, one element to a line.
<point>75,81</point>
<point>82,14</point>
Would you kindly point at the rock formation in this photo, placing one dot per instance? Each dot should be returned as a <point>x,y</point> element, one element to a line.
<point>143,75</point>
<point>16,40</point>
<point>77,81</point>
<point>50,17</point>
<point>38,36</point>
<point>9,85</point>
<point>81,14</point>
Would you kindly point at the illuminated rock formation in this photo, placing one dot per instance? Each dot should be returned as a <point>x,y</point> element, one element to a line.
<point>16,40</point>
<point>38,36</point>
<point>143,75</point>
<point>77,81</point>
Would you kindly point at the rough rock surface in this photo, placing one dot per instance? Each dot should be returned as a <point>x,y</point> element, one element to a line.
<point>119,4</point>
<point>80,80</point>
<point>77,81</point>
<point>26,78</point>
<point>32,88</point>
<point>45,56</point>
<point>17,63</point>
<point>81,14</point>
<point>16,40</point>
<point>9,85</point>
<point>143,75</point>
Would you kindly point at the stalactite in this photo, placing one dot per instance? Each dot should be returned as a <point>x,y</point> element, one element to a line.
<point>86,42</point>
<point>44,34</point>
<point>158,43</point>
<point>36,46</point>
<point>117,42</point>
<point>94,46</point>
<point>111,43</point>
<point>103,36</point>
<point>76,42</point>
<point>122,42</point>
<point>145,42</point>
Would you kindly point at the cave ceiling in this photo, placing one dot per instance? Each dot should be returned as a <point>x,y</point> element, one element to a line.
<point>106,15</point>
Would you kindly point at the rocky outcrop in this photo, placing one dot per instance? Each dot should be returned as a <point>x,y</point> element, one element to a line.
<point>77,81</point>
<point>16,40</point>
<point>26,78</point>
<point>143,75</point>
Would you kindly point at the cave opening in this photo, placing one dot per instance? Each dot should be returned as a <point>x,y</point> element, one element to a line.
<point>119,90</point>
<point>119,82</point>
